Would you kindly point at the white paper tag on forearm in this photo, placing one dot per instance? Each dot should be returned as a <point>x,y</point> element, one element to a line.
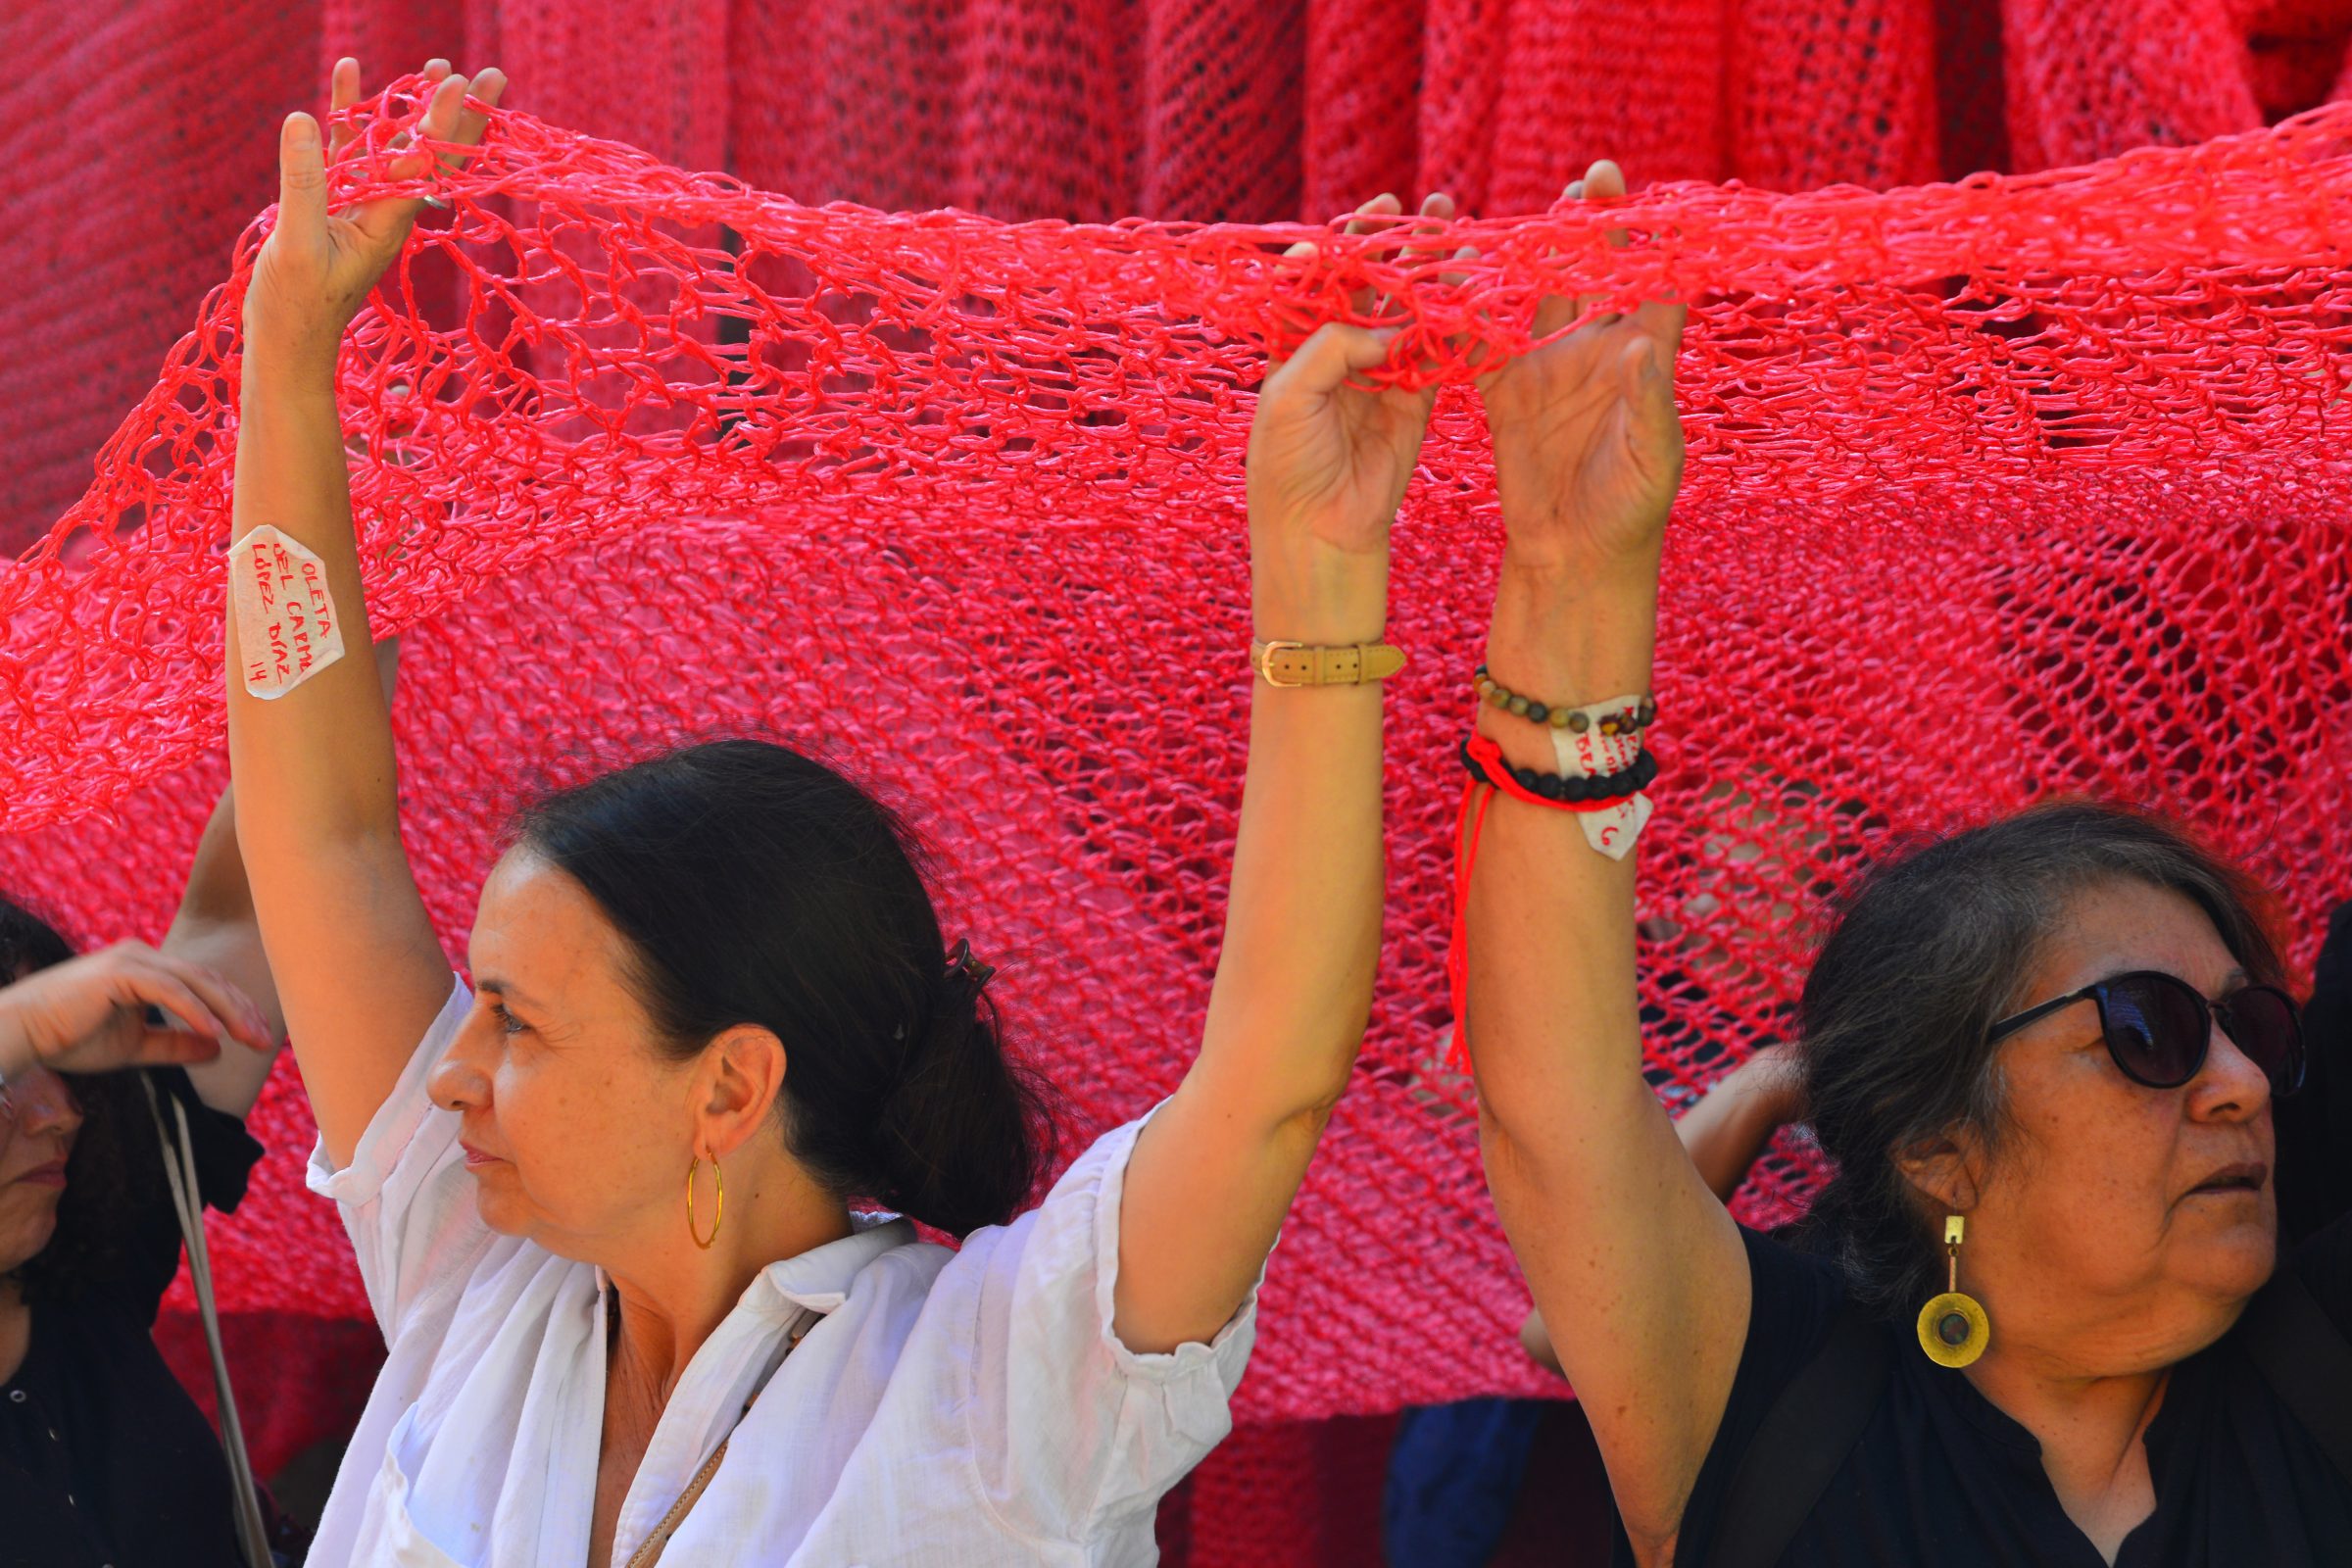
<point>287,628</point>
<point>1588,753</point>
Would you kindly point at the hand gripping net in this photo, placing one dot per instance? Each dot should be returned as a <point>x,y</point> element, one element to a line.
<point>1996,489</point>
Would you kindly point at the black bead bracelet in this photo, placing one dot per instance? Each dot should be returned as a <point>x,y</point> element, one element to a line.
<point>1622,785</point>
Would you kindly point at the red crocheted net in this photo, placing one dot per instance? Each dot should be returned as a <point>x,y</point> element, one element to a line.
<point>1995,489</point>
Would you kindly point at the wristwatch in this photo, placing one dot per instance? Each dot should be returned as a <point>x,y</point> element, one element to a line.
<point>1284,663</point>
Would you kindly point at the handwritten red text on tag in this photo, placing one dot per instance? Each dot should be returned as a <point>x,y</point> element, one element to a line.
<point>287,628</point>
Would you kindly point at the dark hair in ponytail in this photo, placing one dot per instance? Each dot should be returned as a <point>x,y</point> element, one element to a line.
<point>757,886</point>
<point>1927,950</point>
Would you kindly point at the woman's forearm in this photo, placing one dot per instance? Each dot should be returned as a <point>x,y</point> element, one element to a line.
<point>1550,918</point>
<point>314,763</point>
<point>1214,1173</point>
<point>1293,983</point>
<point>217,892</point>
<point>349,948</point>
<point>1727,1130</point>
<point>1635,1265</point>
<point>216,927</point>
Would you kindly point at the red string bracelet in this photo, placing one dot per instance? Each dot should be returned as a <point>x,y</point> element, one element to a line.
<point>1484,758</point>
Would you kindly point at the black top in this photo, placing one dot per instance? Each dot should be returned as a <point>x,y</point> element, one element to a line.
<point>1942,1478</point>
<point>2315,1127</point>
<point>104,1459</point>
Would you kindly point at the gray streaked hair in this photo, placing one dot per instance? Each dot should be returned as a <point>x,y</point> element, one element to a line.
<point>1926,952</point>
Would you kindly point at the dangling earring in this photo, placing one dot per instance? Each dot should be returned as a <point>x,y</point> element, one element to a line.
<point>1952,1327</point>
<point>718,1178</point>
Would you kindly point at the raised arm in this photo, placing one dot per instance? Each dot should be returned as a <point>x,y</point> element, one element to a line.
<point>1726,1131</point>
<point>1634,1264</point>
<point>358,969</point>
<point>1725,1135</point>
<point>216,927</point>
<point>1215,1170</point>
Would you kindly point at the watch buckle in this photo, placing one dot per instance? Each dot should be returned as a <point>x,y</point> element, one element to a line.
<point>1265,667</point>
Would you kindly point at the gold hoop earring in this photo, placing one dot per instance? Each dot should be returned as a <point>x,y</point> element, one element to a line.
<point>718,1178</point>
<point>1952,1327</point>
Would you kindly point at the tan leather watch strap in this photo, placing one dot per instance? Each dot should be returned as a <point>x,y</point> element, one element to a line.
<point>1281,664</point>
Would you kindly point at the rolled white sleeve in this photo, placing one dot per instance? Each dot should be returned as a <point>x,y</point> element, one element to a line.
<point>1078,1436</point>
<point>406,1198</point>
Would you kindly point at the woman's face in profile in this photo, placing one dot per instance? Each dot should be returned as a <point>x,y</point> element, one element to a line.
<point>575,1127</point>
<point>39,1119</point>
<point>2107,1198</point>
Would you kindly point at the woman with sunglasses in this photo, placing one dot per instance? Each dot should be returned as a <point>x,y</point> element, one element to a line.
<point>2032,1323</point>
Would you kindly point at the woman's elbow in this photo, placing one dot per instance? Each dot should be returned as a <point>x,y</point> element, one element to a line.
<point>1536,1340</point>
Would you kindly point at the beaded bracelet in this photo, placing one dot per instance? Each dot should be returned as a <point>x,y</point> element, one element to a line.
<point>1575,720</point>
<point>1553,789</point>
<point>1610,807</point>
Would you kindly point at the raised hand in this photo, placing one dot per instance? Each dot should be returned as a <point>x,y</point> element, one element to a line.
<point>318,267</point>
<point>92,1013</point>
<point>1588,447</point>
<point>1329,461</point>
<point>1214,1174</point>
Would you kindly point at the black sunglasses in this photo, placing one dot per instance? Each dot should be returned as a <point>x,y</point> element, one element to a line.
<point>2157,1027</point>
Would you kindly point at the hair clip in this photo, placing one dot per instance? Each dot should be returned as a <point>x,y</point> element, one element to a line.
<point>973,969</point>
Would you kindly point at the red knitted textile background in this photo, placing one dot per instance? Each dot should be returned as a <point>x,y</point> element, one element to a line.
<point>1996,489</point>
<point>124,186</point>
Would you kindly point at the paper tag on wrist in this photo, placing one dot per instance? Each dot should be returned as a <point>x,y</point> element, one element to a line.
<point>1613,832</point>
<point>1588,753</point>
<point>287,626</point>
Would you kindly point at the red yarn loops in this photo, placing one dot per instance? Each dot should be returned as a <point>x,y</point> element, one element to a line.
<point>1995,489</point>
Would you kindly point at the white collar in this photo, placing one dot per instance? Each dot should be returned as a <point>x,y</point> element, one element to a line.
<point>820,1279</point>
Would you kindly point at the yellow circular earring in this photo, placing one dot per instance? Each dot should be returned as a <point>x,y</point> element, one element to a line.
<point>718,1179</point>
<point>1952,1327</point>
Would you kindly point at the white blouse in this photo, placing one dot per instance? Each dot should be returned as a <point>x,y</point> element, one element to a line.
<point>962,1408</point>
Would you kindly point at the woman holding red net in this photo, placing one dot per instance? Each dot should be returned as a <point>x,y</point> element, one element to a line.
<point>2040,1316</point>
<point>601,1197</point>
